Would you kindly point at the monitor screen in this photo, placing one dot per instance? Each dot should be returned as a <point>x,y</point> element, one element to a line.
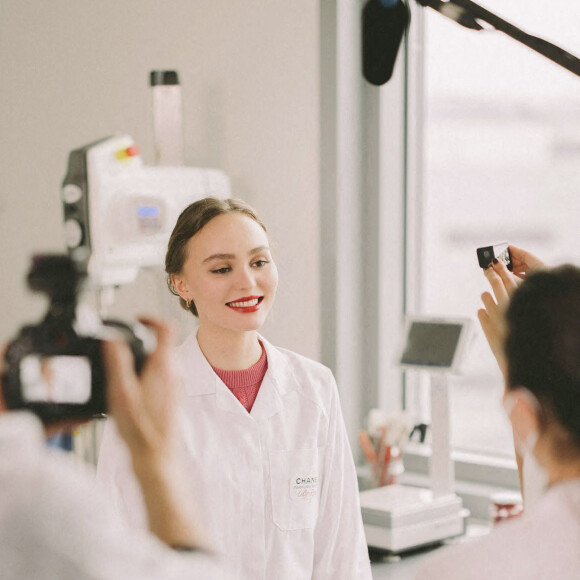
<point>431,344</point>
<point>55,379</point>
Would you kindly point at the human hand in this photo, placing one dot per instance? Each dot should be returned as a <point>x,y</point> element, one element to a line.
<point>524,262</point>
<point>143,406</point>
<point>491,317</point>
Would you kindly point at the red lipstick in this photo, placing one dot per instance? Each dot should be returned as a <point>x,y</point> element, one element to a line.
<point>246,304</point>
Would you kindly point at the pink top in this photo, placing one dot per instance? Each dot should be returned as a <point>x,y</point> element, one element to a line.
<point>245,384</point>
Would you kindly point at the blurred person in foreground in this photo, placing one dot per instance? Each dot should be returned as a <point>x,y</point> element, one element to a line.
<point>534,331</point>
<point>54,523</point>
<point>503,283</point>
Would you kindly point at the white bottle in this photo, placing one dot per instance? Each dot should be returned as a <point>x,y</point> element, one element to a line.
<point>167,117</point>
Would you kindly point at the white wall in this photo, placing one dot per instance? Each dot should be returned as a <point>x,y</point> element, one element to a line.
<point>76,71</point>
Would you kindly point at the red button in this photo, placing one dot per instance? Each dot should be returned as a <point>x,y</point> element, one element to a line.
<point>123,154</point>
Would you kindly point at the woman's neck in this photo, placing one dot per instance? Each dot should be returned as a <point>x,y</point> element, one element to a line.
<point>559,466</point>
<point>559,471</point>
<point>229,351</point>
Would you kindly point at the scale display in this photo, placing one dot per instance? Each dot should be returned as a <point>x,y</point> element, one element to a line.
<point>433,344</point>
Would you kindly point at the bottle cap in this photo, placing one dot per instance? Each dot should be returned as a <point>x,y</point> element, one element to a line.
<point>163,77</point>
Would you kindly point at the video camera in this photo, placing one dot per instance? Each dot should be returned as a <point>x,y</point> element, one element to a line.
<point>55,369</point>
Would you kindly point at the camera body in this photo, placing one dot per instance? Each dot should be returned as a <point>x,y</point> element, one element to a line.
<point>55,369</point>
<point>501,252</point>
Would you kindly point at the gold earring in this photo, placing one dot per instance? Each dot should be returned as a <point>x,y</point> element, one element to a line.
<point>188,303</point>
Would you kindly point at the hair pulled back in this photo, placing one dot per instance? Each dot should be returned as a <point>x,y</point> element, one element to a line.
<point>191,220</point>
<point>543,348</point>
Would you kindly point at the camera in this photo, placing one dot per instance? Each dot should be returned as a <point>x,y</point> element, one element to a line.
<point>501,252</point>
<point>55,369</point>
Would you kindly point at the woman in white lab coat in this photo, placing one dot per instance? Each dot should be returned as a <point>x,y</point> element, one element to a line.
<point>263,434</point>
<point>537,342</point>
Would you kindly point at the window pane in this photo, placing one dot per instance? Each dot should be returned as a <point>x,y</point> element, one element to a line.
<point>502,163</point>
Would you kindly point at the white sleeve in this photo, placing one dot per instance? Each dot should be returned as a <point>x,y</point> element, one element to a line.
<point>116,478</point>
<point>58,526</point>
<point>340,549</point>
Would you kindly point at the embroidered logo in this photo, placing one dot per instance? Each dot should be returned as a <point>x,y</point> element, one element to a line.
<point>304,486</point>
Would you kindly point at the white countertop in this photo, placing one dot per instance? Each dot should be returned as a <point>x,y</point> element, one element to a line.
<point>405,566</point>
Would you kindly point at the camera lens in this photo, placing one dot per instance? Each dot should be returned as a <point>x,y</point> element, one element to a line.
<point>486,253</point>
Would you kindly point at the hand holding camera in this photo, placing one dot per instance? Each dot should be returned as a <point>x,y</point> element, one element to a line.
<point>524,262</point>
<point>144,408</point>
<point>504,267</point>
<point>143,405</point>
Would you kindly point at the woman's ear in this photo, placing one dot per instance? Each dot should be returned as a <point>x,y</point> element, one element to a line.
<point>180,286</point>
<point>524,413</point>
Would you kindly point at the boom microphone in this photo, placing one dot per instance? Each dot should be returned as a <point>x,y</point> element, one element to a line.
<point>384,23</point>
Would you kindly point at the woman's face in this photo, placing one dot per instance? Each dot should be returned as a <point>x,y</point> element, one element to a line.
<point>229,274</point>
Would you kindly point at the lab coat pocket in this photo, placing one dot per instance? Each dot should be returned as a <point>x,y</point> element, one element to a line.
<point>295,479</point>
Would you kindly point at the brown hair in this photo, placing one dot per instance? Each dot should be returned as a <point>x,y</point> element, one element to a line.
<point>543,350</point>
<point>191,220</point>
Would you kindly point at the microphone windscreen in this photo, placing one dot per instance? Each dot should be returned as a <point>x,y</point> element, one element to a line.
<point>384,23</point>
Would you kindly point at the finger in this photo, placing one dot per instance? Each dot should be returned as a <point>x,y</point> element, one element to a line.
<point>486,325</point>
<point>497,285</point>
<point>493,310</point>
<point>120,374</point>
<point>489,302</point>
<point>164,332</point>
<point>510,282</point>
<point>483,318</point>
<point>524,262</point>
<point>519,264</point>
<point>518,261</point>
<point>492,333</point>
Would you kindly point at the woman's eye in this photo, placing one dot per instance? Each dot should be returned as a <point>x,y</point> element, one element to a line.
<point>260,263</point>
<point>223,270</point>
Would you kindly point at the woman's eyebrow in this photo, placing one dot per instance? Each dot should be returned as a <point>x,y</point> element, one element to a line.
<point>259,249</point>
<point>219,257</point>
<point>232,256</point>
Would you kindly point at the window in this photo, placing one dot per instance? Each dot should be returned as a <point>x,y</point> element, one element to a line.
<point>501,162</point>
<point>474,140</point>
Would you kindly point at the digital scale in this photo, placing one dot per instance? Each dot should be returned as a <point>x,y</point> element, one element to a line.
<point>397,517</point>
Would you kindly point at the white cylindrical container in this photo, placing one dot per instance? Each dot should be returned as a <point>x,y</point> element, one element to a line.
<point>167,117</point>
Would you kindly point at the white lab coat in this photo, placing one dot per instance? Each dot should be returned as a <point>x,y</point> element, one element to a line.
<point>543,544</point>
<point>55,523</point>
<point>276,486</point>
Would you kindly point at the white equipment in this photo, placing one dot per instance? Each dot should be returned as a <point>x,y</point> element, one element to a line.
<point>119,213</point>
<point>398,518</point>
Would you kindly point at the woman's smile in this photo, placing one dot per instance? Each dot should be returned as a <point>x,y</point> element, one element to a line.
<point>246,304</point>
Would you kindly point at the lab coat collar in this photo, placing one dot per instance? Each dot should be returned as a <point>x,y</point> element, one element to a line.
<point>200,379</point>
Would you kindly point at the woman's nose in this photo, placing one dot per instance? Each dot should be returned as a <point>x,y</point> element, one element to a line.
<point>245,278</point>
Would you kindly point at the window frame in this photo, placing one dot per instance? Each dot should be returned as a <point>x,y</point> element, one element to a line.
<point>477,475</point>
<point>372,142</point>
